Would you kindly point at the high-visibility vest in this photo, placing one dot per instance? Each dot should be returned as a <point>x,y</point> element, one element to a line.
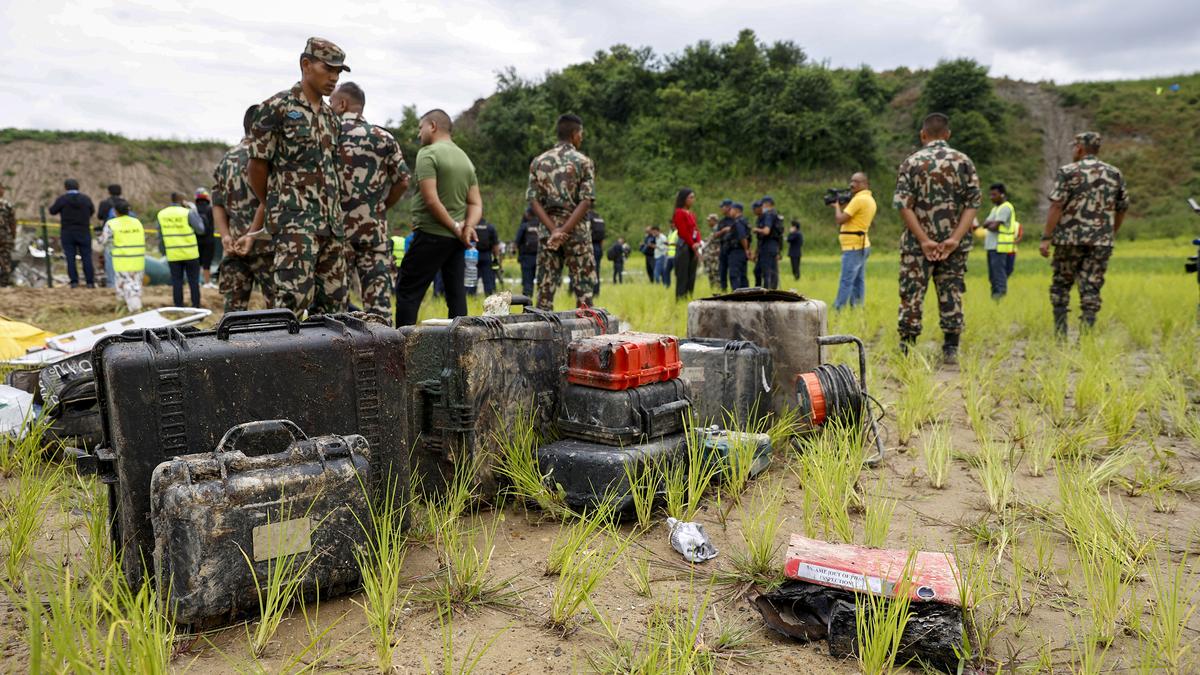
<point>1006,235</point>
<point>128,244</point>
<point>399,246</point>
<point>177,235</point>
<point>671,239</point>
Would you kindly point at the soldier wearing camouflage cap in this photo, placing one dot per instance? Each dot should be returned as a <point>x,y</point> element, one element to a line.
<point>937,193</point>
<point>561,191</point>
<point>1087,207</point>
<point>295,171</point>
<point>374,177</point>
<point>8,234</point>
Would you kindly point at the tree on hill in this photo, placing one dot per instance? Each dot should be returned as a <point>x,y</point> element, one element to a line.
<point>961,89</point>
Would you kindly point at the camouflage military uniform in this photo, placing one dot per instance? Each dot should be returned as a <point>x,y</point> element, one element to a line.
<point>938,183</point>
<point>1091,193</point>
<point>8,221</point>
<point>371,164</point>
<point>304,211</point>
<point>231,191</point>
<point>559,179</point>
<point>711,259</point>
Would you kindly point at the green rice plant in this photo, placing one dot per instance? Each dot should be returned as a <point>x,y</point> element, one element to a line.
<point>1043,552</point>
<point>879,623</point>
<point>1024,428</point>
<point>983,616</point>
<point>1174,601</point>
<point>996,474</point>
<point>937,453</point>
<point>381,563</point>
<point>644,481</point>
<point>920,397</point>
<point>735,467</point>
<point>1087,656</point>
<point>18,455</point>
<point>639,572</point>
<point>579,579</point>
<point>1039,449</point>
<point>580,532</point>
<point>1091,386</point>
<point>23,512</point>
<point>518,464</point>
<point>474,654</point>
<point>465,581</point>
<point>1118,411</point>
<point>877,518</point>
<point>146,637</point>
<point>1185,422</point>
<point>686,484</point>
<point>756,561</point>
<point>1051,392</point>
<point>1109,470</point>
<point>1106,588</point>
<point>96,548</point>
<point>65,624</point>
<point>1093,523</point>
<point>979,408</point>
<point>829,467</point>
<point>277,590</point>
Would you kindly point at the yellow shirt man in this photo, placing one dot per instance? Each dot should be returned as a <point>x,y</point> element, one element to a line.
<point>853,233</point>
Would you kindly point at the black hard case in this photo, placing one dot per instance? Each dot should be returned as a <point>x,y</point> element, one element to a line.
<point>222,518</point>
<point>588,472</point>
<point>728,378</point>
<point>471,379</point>
<point>163,394</point>
<point>625,416</point>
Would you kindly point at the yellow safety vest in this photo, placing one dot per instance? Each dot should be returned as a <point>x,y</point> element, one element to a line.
<point>1006,235</point>
<point>399,246</point>
<point>178,236</point>
<point>129,244</point>
<point>671,239</point>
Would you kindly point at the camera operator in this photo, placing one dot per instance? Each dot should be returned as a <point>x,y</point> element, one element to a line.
<point>854,220</point>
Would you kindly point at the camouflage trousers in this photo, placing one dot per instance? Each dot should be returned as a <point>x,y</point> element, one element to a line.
<point>238,274</point>
<point>576,254</point>
<point>1084,266</point>
<point>371,262</point>
<point>6,256</point>
<point>129,288</point>
<point>711,259</point>
<point>948,278</point>
<point>309,272</point>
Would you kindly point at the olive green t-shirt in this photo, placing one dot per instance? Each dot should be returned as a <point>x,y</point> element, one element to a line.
<point>455,175</point>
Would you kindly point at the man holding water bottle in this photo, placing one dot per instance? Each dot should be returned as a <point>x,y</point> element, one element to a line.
<point>445,211</point>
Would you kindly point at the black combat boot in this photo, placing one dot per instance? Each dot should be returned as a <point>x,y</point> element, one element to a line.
<point>1060,323</point>
<point>1086,323</point>
<point>950,349</point>
<point>907,343</point>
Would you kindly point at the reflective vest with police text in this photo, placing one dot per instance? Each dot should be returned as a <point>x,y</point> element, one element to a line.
<point>128,244</point>
<point>179,239</point>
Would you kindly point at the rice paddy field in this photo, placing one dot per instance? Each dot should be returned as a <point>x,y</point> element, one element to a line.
<point>1063,475</point>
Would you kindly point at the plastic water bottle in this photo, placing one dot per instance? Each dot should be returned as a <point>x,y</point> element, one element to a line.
<point>471,275</point>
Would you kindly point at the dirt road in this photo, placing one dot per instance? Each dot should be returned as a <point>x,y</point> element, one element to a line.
<point>1057,124</point>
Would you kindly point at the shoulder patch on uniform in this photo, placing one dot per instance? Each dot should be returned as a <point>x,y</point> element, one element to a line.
<point>295,114</point>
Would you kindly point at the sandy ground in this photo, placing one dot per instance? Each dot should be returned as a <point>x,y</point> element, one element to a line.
<point>927,518</point>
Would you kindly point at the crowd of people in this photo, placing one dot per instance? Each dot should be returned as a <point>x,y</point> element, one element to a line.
<point>301,202</point>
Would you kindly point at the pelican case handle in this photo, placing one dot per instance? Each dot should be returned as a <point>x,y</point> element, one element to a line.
<point>266,317</point>
<point>251,430</point>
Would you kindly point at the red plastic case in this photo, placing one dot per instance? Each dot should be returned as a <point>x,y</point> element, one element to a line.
<point>623,360</point>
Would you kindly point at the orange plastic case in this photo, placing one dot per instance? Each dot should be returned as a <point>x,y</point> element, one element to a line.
<point>623,360</point>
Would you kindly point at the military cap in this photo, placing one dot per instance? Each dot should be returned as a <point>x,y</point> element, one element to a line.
<point>766,199</point>
<point>325,51</point>
<point>713,216</point>
<point>757,203</point>
<point>726,202</point>
<point>1088,139</point>
<point>738,206</point>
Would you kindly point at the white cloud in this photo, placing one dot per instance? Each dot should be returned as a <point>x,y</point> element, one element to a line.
<point>188,69</point>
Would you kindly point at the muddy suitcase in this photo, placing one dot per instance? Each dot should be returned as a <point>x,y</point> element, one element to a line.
<point>267,495</point>
<point>164,394</point>
<point>623,360</point>
<point>786,324</point>
<point>730,380</point>
<point>588,472</point>
<point>626,416</point>
<point>470,380</point>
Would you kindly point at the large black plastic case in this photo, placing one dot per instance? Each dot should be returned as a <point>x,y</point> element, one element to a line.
<point>471,379</point>
<point>728,378</point>
<point>163,394</point>
<point>589,472</point>
<point>266,493</point>
<point>625,416</point>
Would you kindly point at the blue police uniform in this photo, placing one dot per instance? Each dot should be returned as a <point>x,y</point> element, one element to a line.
<point>766,266</point>
<point>736,257</point>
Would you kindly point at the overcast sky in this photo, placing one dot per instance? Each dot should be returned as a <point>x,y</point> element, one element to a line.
<point>187,70</point>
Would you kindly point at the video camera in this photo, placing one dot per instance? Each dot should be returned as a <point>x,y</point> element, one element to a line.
<point>837,195</point>
<point>1193,264</point>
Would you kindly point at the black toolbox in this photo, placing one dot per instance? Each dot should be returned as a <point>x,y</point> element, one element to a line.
<point>163,393</point>
<point>729,378</point>
<point>469,381</point>
<point>624,416</point>
<point>264,494</point>
<point>588,472</point>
